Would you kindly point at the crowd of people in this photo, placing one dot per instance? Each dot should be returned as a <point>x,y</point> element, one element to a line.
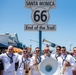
<point>27,63</point>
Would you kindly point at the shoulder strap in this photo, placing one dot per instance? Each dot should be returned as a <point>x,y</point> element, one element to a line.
<point>57,56</point>
<point>21,62</point>
<point>64,59</point>
<point>39,59</point>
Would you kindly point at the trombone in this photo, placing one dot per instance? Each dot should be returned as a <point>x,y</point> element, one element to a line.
<point>44,40</point>
<point>52,44</point>
<point>38,42</point>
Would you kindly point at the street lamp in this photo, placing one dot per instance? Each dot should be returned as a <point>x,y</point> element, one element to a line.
<point>70,45</point>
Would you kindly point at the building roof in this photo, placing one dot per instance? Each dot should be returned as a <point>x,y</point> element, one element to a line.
<point>3,46</point>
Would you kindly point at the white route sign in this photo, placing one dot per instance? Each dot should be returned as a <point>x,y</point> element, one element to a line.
<point>40,16</point>
<point>40,3</point>
<point>31,27</point>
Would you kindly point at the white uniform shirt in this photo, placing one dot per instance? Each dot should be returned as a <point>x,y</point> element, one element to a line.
<point>20,70</point>
<point>6,61</point>
<point>68,58</point>
<point>33,68</point>
<point>74,64</point>
<point>58,58</point>
<point>44,56</point>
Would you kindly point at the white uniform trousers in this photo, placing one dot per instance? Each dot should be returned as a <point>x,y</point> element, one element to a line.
<point>20,72</point>
<point>8,73</point>
<point>35,73</point>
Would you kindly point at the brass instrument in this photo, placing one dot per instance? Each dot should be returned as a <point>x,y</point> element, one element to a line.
<point>36,65</point>
<point>49,66</point>
<point>51,44</point>
<point>37,41</point>
<point>26,69</point>
<point>64,68</point>
<point>44,40</point>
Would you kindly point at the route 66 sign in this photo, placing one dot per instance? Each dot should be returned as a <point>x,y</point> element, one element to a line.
<point>40,15</point>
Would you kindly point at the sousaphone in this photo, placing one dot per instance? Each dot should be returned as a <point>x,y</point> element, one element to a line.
<point>49,66</point>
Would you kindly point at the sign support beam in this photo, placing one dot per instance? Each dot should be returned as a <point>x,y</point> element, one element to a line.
<point>40,16</point>
<point>40,41</point>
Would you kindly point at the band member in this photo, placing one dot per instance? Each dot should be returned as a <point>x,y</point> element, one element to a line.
<point>74,65</point>
<point>57,55</point>
<point>58,52</point>
<point>23,67</point>
<point>35,61</point>
<point>9,59</point>
<point>67,61</point>
<point>46,53</point>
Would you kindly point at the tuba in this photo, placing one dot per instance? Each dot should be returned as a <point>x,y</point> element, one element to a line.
<point>49,66</point>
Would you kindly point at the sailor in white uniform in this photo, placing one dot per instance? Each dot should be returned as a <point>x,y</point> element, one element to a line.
<point>57,55</point>
<point>23,61</point>
<point>35,62</point>
<point>74,64</point>
<point>9,59</point>
<point>67,61</point>
<point>46,53</point>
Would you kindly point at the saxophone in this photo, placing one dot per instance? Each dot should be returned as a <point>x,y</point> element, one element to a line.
<point>26,68</point>
<point>36,65</point>
<point>65,67</point>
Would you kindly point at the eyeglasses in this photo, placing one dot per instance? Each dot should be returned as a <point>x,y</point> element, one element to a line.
<point>25,51</point>
<point>58,49</point>
<point>63,50</point>
<point>37,50</point>
<point>47,50</point>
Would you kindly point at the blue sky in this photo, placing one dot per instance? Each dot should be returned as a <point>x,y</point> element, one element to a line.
<point>13,16</point>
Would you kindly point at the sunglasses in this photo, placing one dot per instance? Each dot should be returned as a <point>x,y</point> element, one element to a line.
<point>37,50</point>
<point>47,50</point>
<point>25,51</point>
<point>63,50</point>
<point>58,49</point>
